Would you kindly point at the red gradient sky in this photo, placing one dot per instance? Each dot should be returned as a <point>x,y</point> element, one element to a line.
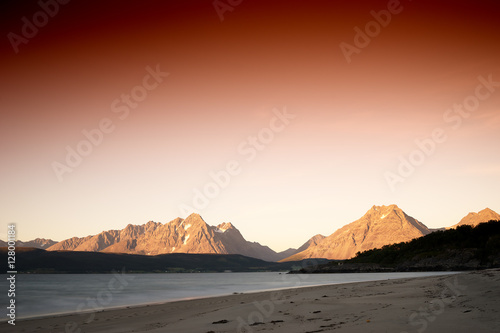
<point>353,120</point>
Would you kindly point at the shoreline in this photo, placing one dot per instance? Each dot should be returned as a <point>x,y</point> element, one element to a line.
<point>349,306</point>
<point>163,302</point>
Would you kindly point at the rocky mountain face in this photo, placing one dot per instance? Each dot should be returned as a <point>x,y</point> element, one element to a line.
<point>190,235</point>
<point>474,219</point>
<point>381,225</point>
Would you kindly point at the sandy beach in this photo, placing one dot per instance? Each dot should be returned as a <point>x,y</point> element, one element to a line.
<point>465,302</point>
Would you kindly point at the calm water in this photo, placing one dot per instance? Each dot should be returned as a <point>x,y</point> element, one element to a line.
<point>44,294</point>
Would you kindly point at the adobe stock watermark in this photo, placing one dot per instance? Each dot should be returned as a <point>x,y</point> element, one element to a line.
<point>30,27</point>
<point>265,309</point>
<point>248,149</point>
<point>428,314</point>
<point>222,6</point>
<point>372,29</point>
<point>121,107</point>
<point>103,298</point>
<point>453,117</point>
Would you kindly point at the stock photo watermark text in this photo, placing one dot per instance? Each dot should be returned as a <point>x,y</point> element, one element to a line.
<point>11,277</point>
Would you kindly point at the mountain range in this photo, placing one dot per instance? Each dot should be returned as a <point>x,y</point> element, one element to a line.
<point>190,235</point>
<point>39,243</point>
<point>379,226</point>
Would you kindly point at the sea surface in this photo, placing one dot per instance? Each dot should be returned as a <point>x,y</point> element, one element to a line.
<point>39,295</point>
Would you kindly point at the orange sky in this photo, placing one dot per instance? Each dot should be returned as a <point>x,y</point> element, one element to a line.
<point>353,120</point>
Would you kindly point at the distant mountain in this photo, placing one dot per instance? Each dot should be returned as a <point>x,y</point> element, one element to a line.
<point>289,252</point>
<point>39,243</point>
<point>314,240</point>
<point>381,225</point>
<point>190,235</point>
<point>474,219</point>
